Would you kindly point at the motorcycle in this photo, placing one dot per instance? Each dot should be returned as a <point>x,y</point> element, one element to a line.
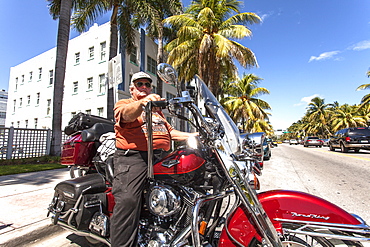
<point>204,193</point>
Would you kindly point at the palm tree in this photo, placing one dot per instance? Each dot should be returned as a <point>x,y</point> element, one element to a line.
<point>87,12</point>
<point>59,9</point>
<point>366,99</point>
<point>318,116</point>
<point>346,116</point>
<point>205,41</point>
<point>151,14</point>
<point>243,103</point>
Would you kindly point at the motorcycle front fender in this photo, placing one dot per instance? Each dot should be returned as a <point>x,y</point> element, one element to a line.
<point>280,206</point>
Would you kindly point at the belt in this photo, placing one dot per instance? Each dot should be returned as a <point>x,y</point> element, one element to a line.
<point>132,151</point>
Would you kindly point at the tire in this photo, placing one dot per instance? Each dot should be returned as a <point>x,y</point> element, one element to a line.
<point>94,243</point>
<point>298,240</point>
<point>357,150</point>
<point>343,148</point>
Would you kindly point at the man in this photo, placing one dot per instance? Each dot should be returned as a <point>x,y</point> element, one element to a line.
<point>131,157</point>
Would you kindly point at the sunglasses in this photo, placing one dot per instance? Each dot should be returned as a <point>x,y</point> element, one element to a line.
<point>140,84</point>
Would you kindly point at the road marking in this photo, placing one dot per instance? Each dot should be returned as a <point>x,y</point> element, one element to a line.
<point>343,154</point>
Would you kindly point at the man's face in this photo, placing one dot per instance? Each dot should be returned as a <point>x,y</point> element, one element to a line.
<point>142,88</point>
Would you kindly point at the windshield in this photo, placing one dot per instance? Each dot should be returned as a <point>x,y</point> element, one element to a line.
<point>360,132</point>
<point>207,101</point>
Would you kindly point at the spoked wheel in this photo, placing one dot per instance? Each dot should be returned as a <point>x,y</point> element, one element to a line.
<point>304,241</point>
<point>301,240</point>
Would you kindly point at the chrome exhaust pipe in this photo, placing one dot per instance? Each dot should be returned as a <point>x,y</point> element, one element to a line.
<point>81,233</point>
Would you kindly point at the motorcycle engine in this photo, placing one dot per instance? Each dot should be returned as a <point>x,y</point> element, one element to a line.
<point>163,201</point>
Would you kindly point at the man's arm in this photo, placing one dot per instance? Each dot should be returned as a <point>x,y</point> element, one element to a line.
<point>177,135</point>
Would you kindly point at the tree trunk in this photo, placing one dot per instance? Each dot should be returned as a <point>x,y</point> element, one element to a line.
<point>60,67</point>
<point>113,47</point>
<point>160,60</point>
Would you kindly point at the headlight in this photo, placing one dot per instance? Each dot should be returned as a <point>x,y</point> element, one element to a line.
<point>192,142</point>
<point>162,201</point>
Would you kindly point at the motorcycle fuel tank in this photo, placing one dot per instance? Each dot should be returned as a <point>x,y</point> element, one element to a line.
<point>185,166</point>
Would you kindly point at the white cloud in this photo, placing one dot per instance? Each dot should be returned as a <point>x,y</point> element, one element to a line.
<point>323,56</point>
<point>363,45</point>
<point>306,100</point>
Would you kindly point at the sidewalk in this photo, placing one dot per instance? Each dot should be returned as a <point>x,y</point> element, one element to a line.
<point>24,199</point>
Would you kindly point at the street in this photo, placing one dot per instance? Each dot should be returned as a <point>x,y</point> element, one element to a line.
<point>342,179</point>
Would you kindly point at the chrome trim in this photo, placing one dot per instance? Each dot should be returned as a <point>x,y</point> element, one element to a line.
<point>198,203</point>
<point>360,229</point>
<point>83,233</point>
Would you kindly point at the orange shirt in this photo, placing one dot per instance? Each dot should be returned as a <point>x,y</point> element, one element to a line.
<point>133,135</point>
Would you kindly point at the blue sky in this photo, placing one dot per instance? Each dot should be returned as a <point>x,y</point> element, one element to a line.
<point>304,48</point>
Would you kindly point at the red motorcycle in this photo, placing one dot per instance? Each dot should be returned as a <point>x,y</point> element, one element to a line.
<point>204,192</point>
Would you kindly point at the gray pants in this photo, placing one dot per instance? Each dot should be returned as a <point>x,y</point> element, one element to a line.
<point>130,173</point>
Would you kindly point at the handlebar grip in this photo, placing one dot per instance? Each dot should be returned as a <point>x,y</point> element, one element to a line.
<point>161,103</point>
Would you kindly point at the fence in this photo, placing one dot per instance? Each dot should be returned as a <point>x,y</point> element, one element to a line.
<point>16,143</point>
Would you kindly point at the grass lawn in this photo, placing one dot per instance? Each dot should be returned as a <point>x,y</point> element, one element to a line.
<point>15,166</point>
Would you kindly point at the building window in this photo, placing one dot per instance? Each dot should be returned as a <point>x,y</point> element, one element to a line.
<point>2,114</point>
<point>151,65</point>
<point>22,79</point>
<point>31,76</point>
<point>100,111</point>
<point>51,77</point>
<point>37,98</point>
<point>18,124</point>
<point>77,58</point>
<point>102,81</point>
<point>133,56</point>
<point>48,107</point>
<point>89,84</point>
<point>102,50</point>
<point>36,122</point>
<point>20,102</point>
<point>88,112</point>
<point>16,83</point>
<point>91,52</point>
<point>40,73</point>
<point>26,123</point>
<point>28,99</point>
<point>75,87</point>
<point>14,105</point>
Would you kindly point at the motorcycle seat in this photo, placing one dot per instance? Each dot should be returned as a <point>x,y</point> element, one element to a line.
<point>93,134</point>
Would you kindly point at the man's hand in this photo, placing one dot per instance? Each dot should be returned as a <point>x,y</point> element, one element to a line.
<point>151,97</point>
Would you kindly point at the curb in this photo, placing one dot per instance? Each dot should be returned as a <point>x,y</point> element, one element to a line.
<point>30,234</point>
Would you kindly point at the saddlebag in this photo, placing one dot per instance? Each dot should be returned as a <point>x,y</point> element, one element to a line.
<point>77,200</point>
<point>84,121</point>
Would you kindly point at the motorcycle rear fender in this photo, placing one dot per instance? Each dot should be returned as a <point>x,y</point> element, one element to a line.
<point>286,205</point>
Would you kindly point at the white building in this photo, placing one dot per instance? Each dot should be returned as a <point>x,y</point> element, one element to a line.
<point>85,86</point>
<point>3,102</point>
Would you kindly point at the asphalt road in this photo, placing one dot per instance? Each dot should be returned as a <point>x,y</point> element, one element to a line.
<point>342,179</point>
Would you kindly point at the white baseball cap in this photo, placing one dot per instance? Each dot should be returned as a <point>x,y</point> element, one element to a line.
<point>140,75</point>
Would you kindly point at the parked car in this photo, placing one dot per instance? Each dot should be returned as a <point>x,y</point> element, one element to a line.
<point>275,143</point>
<point>325,142</point>
<point>350,139</point>
<point>312,141</point>
<point>293,142</point>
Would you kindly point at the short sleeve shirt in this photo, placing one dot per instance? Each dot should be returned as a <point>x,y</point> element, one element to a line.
<point>133,135</point>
